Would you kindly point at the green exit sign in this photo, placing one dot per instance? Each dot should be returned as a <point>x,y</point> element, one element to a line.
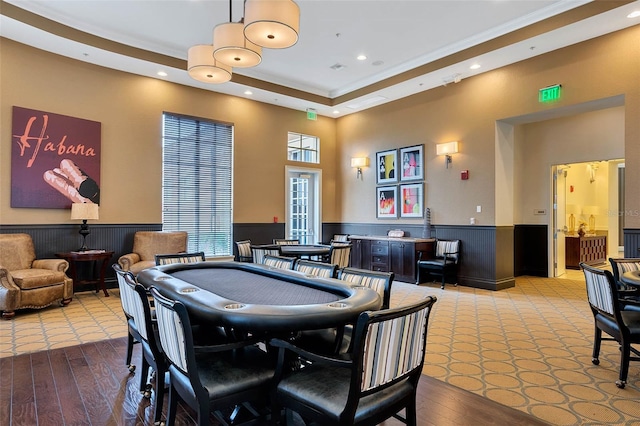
<point>312,114</point>
<point>549,94</point>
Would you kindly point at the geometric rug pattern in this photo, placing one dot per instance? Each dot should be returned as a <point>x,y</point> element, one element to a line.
<point>528,347</point>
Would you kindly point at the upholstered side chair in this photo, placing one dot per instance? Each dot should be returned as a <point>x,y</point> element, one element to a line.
<point>280,262</point>
<point>146,244</point>
<point>27,282</point>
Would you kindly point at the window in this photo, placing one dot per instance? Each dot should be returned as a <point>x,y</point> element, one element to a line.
<point>303,148</point>
<point>197,182</point>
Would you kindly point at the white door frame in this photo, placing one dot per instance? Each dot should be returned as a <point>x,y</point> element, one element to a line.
<point>316,177</point>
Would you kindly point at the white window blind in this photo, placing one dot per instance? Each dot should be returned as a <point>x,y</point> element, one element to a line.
<point>197,193</point>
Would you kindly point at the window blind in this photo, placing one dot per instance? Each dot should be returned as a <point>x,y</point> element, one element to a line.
<point>197,158</point>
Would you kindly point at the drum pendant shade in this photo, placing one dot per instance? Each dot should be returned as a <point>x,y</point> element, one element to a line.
<point>202,66</point>
<point>272,23</point>
<point>232,48</point>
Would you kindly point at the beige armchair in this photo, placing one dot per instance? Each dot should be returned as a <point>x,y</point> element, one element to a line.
<point>29,283</point>
<point>146,244</point>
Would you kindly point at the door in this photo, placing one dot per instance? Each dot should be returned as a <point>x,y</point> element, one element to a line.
<point>559,219</point>
<point>304,219</point>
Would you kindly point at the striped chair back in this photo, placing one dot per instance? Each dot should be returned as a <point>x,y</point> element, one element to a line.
<point>127,296</point>
<point>284,241</point>
<point>244,251</point>
<point>319,269</point>
<point>340,254</point>
<point>340,238</point>
<point>391,343</point>
<point>259,253</point>
<point>601,290</point>
<point>450,248</point>
<point>279,262</point>
<point>378,281</point>
<point>620,266</point>
<point>167,259</point>
<point>172,320</point>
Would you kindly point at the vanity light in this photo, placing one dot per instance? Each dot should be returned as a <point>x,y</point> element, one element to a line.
<point>447,149</point>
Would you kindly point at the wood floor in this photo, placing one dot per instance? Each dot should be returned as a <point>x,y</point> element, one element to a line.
<point>90,385</point>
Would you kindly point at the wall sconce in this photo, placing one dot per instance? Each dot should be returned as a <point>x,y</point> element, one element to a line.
<point>447,149</point>
<point>359,163</point>
<point>84,211</point>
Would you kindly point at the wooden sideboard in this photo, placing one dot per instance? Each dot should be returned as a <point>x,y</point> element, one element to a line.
<point>386,254</point>
<point>591,250</point>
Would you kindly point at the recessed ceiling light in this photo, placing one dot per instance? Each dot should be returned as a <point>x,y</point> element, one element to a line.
<point>336,112</point>
<point>248,92</point>
<point>634,14</point>
<point>361,57</point>
<point>475,66</point>
<point>162,74</point>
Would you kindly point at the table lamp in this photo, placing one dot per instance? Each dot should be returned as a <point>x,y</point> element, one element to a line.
<point>84,211</point>
<point>572,210</point>
<point>592,211</point>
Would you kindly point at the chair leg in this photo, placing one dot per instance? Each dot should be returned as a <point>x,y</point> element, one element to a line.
<point>173,406</point>
<point>410,413</point>
<point>597,340</point>
<point>625,352</point>
<point>443,278</point>
<point>160,374</point>
<point>144,376</point>
<point>130,341</point>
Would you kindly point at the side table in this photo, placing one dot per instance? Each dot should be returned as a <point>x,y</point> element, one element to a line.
<point>74,257</point>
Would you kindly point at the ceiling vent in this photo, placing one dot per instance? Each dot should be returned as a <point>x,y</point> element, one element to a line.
<point>337,67</point>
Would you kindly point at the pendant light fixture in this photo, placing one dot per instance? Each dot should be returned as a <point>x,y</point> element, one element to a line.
<point>272,23</point>
<point>232,48</point>
<point>202,66</point>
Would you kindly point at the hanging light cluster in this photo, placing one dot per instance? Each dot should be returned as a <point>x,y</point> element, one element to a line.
<point>272,24</point>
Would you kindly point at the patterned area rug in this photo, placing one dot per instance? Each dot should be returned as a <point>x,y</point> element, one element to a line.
<point>528,347</point>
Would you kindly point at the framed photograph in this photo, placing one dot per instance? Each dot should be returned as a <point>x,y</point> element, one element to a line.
<point>411,200</point>
<point>386,162</point>
<point>387,198</point>
<point>412,163</point>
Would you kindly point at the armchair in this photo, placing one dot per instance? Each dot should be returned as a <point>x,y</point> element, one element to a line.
<point>146,244</point>
<point>444,262</point>
<point>27,282</point>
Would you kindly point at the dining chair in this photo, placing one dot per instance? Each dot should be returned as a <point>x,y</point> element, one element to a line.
<point>313,267</point>
<point>629,296</point>
<point>166,259</point>
<point>341,238</point>
<point>375,383</point>
<point>444,261</point>
<point>127,300</point>
<point>622,325</point>
<point>213,377</point>
<point>284,241</point>
<point>280,262</point>
<point>376,280</point>
<point>339,254</point>
<point>244,251</point>
<point>259,251</point>
<point>152,355</point>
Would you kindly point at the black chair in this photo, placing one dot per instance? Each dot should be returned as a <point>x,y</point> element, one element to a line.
<point>258,252</point>
<point>166,259</point>
<point>339,254</point>
<point>629,296</point>
<point>622,325</point>
<point>443,263</point>
<point>360,389</point>
<point>379,281</point>
<point>209,378</point>
<point>280,262</point>
<point>152,356</point>
<point>127,300</point>
<point>313,267</point>
<point>244,251</point>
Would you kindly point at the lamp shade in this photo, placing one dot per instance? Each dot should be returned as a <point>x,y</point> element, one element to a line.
<point>360,162</point>
<point>84,211</point>
<point>272,23</point>
<point>202,66</point>
<point>447,148</point>
<point>232,48</point>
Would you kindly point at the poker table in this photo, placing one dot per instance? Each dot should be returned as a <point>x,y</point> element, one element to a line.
<point>631,278</point>
<point>253,297</point>
<point>303,250</point>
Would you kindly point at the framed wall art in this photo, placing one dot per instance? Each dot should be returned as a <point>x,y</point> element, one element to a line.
<point>386,163</point>
<point>411,200</point>
<point>412,163</point>
<point>387,199</point>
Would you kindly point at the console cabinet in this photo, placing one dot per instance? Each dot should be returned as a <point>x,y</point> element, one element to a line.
<point>397,255</point>
<point>591,250</point>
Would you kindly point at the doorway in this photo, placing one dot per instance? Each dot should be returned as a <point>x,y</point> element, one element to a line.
<point>303,187</point>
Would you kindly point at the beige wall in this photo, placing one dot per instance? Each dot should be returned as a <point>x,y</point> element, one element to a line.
<point>130,109</point>
<point>470,112</point>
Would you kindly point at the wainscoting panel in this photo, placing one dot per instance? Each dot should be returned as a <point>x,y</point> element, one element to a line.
<point>631,242</point>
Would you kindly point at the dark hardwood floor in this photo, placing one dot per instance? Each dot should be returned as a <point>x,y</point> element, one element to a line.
<point>90,385</point>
